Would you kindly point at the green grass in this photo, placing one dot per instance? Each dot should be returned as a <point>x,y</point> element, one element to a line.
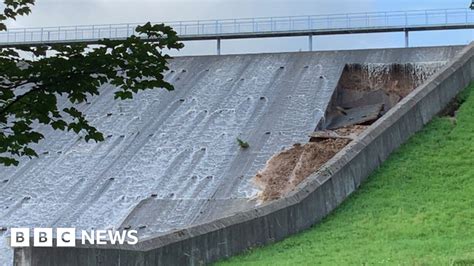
<point>417,209</point>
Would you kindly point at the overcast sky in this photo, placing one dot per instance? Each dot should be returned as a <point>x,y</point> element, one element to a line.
<point>80,12</point>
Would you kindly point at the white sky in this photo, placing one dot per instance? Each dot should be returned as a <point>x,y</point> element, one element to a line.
<point>80,12</point>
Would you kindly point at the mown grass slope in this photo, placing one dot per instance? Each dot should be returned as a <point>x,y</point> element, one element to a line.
<point>417,209</point>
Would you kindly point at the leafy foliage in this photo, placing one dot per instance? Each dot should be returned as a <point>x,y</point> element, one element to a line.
<point>29,88</point>
<point>14,8</point>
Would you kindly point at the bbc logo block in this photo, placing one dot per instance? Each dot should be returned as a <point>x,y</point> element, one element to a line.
<point>66,237</point>
<point>43,237</point>
<point>20,237</point>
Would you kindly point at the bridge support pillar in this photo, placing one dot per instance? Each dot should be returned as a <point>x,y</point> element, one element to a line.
<point>310,42</point>
<point>407,40</point>
<point>218,46</point>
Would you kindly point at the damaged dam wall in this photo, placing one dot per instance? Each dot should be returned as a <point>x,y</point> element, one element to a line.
<point>313,199</point>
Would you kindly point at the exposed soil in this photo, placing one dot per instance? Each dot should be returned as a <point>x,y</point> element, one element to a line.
<point>452,108</point>
<point>394,79</point>
<point>284,171</point>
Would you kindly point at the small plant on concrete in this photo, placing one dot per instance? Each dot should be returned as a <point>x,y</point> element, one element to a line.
<point>243,144</point>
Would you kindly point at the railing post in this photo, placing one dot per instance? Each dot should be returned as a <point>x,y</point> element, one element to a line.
<point>406,19</point>
<point>218,46</point>
<point>310,42</point>
<point>217,27</point>
<point>41,39</point>
<point>407,43</point>
<point>24,35</point>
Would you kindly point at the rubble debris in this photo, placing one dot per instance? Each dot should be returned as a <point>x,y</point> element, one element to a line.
<point>353,130</point>
<point>357,115</point>
<point>284,171</point>
<point>328,134</point>
<point>340,110</point>
<point>370,98</point>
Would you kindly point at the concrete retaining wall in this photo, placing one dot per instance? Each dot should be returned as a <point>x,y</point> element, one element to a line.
<point>314,199</point>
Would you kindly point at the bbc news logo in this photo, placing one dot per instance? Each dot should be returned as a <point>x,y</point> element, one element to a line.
<point>66,237</point>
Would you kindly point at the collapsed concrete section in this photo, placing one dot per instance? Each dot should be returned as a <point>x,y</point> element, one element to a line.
<point>370,85</point>
<point>364,93</point>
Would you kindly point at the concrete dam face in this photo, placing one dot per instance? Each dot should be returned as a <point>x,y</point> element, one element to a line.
<point>171,160</point>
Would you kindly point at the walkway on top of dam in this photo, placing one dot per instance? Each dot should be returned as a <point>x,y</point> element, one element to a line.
<point>371,22</point>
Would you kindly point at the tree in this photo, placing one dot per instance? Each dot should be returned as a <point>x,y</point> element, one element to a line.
<point>29,88</point>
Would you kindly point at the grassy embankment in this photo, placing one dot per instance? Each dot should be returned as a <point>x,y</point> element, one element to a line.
<point>417,209</point>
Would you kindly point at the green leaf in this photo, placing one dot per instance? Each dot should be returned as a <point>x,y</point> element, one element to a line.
<point>8,161</point>
<point>59,125</point>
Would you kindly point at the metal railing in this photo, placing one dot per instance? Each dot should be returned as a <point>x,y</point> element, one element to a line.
<point>195,30</point>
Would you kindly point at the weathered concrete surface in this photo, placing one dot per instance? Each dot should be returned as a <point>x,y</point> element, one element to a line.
<point>141,164</point>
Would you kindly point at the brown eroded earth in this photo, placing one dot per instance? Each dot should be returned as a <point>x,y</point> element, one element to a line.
<point>284,171</point>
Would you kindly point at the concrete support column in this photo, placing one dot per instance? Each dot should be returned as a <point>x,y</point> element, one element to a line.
<point>310,42</point>
<point>218,46</point>
<point>407,41</point>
